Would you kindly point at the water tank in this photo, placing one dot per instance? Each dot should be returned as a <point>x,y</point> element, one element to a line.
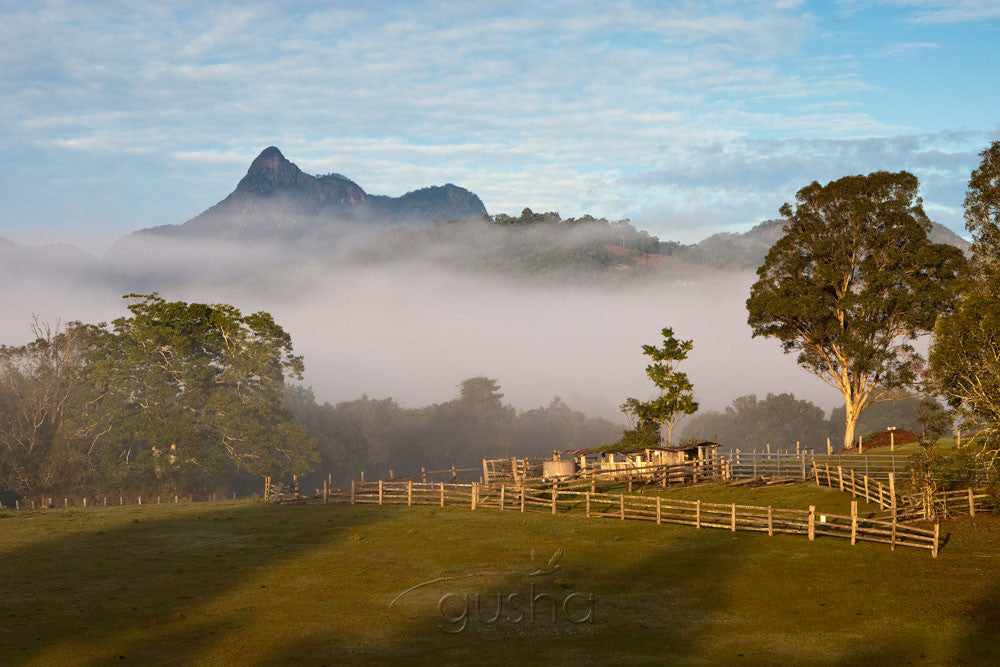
<point>553,469</point>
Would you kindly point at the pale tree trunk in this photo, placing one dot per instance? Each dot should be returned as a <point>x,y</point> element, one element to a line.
<point>670,433</point>
<point>851,415</point>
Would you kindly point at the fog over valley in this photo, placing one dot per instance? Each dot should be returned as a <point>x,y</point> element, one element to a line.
<point>413,329</point>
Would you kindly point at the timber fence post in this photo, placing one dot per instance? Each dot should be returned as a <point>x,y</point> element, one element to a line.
<point>892,493</point>
<point>622,500</point>
<point>522,497</point>
<point>473,494</point>
<point>442,494</point>
<point>659,519</point>
<point>587,495</point>
<point>380,492</point>
<point>937,528</point>
<point>812,523</point>
<point>409,494</point>
<point>972,503</point>
<point>770,521</point>
<point>854,522</point>
<point>733,521</point>
<point>352,492</point>
<point>840,476</point>
<point>503,491</point>
<point>697,514</point>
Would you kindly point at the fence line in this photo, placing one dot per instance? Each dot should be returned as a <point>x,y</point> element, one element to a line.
<point>649,508</point>
<point>66,502</point>
<point>782,464</point>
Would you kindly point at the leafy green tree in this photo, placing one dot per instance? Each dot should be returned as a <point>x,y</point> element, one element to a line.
<point>852,283</point>
<point>676,399</point>
<point>965,351</point>
<point>187,394</point>
<point>982,210</point>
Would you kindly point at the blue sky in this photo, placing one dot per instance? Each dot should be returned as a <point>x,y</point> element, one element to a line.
<point>690,118</point>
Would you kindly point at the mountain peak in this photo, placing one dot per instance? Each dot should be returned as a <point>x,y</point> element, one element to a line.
<point>269,172</point>
<point>270,161</point>
<point>270,151</point>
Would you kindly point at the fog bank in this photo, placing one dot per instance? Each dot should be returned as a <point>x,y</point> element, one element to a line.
<point>413,331</point>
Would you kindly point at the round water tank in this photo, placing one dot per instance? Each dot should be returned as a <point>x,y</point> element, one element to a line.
<point>552,469</point>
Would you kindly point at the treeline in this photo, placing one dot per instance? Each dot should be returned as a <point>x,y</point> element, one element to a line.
<point>781,419</point>
<point>192,399</point>
<point>378,435</point>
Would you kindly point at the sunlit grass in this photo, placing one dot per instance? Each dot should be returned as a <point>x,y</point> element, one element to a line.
<point>243,583</point>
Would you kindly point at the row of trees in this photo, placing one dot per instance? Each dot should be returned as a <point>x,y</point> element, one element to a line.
<point>376,435</point>
<point>750,422</point>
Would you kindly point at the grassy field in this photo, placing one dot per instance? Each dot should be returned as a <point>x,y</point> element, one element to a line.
<point>247,583</point>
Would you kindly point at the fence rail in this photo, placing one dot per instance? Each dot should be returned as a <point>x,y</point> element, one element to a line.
<point>621,506</point>
<point>782,464</point>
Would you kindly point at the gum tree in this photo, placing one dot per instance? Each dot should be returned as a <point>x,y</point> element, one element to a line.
<point>852,283</point>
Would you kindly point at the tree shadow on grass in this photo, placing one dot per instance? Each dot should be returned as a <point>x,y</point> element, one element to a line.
<point>138,587</point>
<point>191,588</point>
<point>981,642</point>
<point>661,595</point>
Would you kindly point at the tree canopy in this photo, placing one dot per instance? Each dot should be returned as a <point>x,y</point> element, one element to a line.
<point>676,399</point>
<point>965,351</point>
<point>176,396</point>
<point>852,283</point>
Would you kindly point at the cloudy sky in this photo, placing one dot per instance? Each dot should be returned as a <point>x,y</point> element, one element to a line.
<point>689,118</point>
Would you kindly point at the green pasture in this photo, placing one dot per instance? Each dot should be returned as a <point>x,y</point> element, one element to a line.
<point>249,583</point>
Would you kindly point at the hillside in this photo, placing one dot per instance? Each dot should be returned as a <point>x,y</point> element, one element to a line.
<point>734,251</point>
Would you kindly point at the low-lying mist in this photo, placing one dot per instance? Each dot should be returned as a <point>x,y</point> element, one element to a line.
<point>413,329</point>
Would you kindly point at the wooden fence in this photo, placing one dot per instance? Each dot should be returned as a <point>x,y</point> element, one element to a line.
<point>859,486</point>
<point>904,506</point>
<point>649,508</point>
<point>84,502</point>
<point>783,464</point>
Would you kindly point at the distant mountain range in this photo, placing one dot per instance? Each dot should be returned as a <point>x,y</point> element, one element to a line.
<point>287,215</point>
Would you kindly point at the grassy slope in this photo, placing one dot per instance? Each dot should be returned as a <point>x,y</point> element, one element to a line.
<point>247,583</point>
